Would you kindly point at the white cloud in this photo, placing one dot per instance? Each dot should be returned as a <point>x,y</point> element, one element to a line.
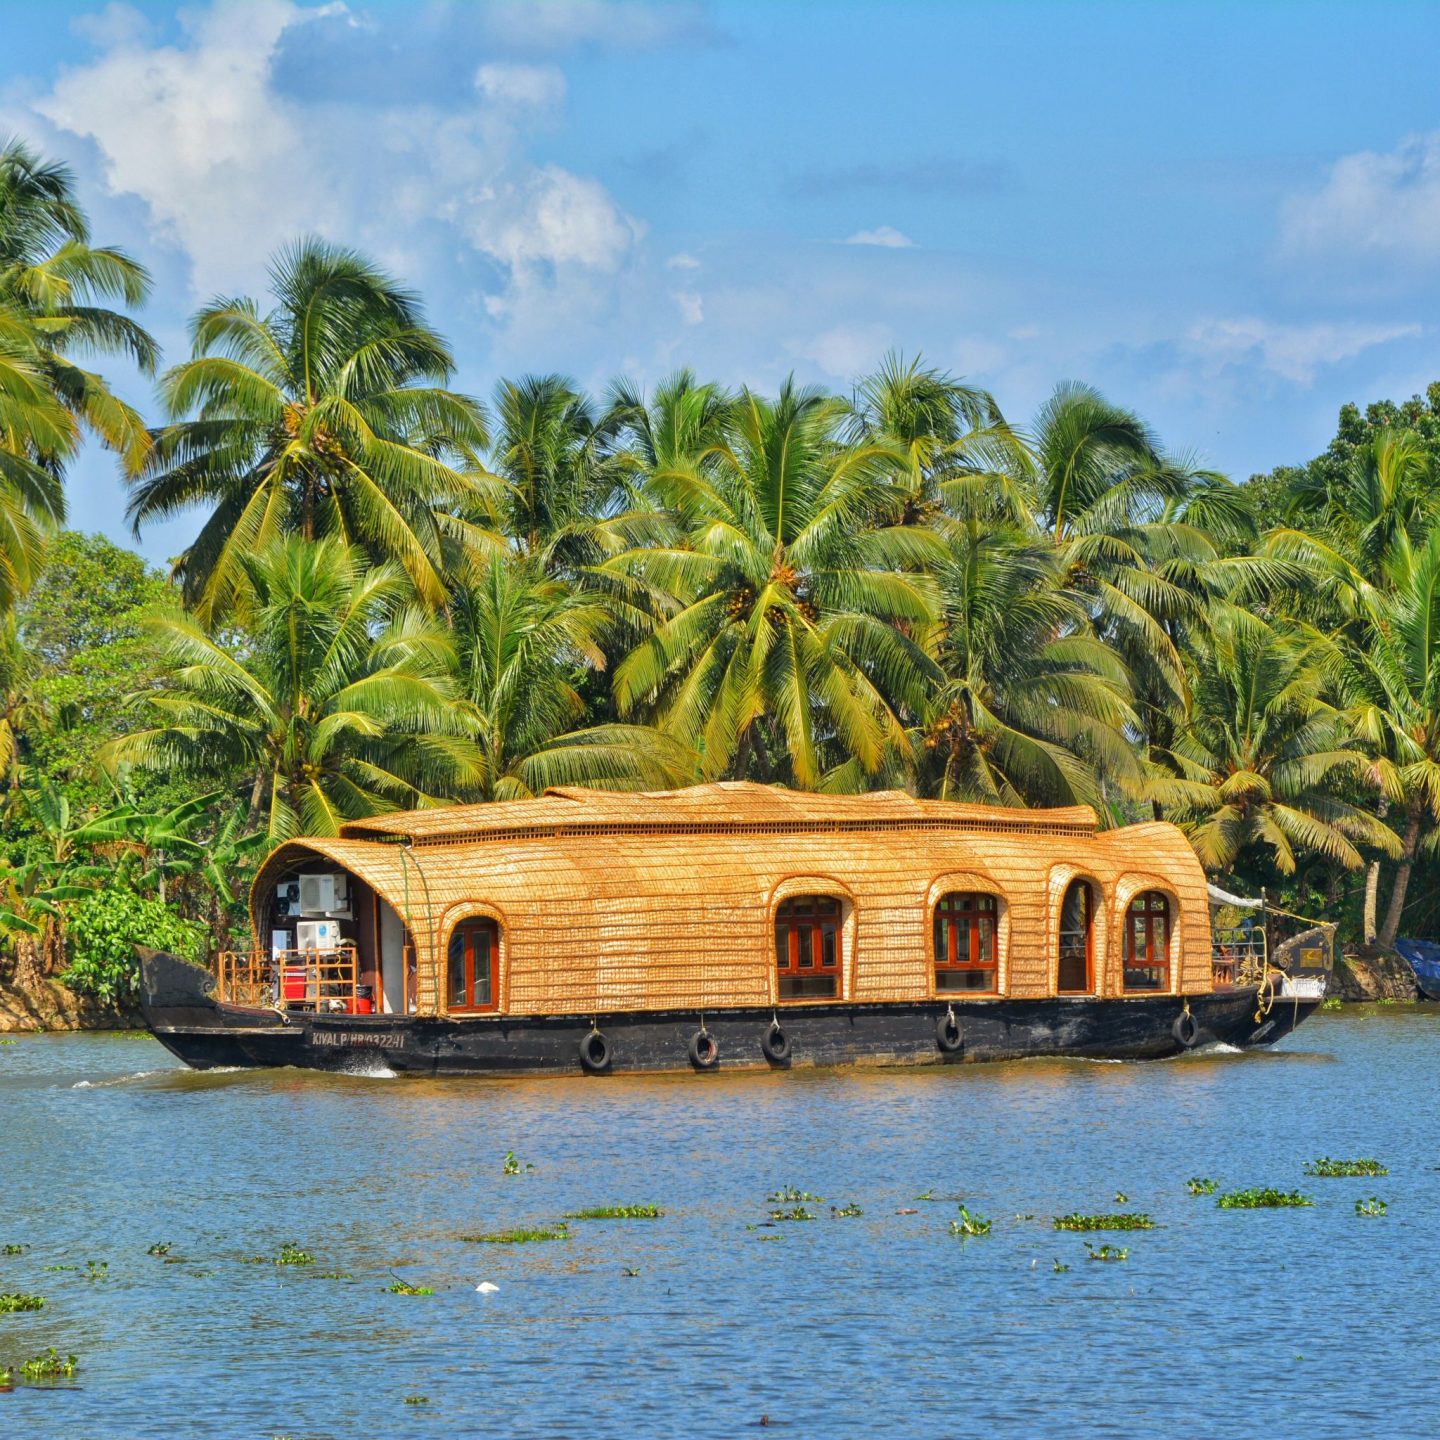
<point>542,86</point>
<point>552,218</point>
<point>845,351</point>
<point>1372,203</point>
<point>886,236</point>
<point>556,25</point>
<point>229,168</point>
<point>682,261</point>
<point>1294,352</point>
<point>116,24</point>
<point>691,306</point>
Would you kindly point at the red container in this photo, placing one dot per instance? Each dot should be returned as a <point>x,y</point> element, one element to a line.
<point>294,983</point>
<point>362,1005</point>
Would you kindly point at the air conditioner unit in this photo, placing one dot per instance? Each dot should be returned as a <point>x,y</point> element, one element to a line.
<point>324,895</point>
<point>317,935</point>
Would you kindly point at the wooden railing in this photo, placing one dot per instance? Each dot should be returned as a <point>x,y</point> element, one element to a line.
<point>320,980</point>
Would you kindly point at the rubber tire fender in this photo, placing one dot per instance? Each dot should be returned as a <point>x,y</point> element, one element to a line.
<point>776,1045</point>
<point>949,1034</point>
<point>704,1051</point>
<point>1186,1030</point>
<point>595,1053</point>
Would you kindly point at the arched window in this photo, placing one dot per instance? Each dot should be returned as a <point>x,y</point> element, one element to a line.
<point>964,936</point>
<point>807,948</point>
<point>1077,921</point>
<point>472,967</point>
<point>1147,942</point>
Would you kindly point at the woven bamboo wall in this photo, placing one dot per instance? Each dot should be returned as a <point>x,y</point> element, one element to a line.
<point>679,912</point>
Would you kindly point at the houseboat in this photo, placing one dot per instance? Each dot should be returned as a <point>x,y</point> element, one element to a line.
<point>731,926</point>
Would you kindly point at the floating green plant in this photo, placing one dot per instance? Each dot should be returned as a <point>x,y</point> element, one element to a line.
<point>969,1224</point>
<point>1328,1169</point>
<point>13,1301</point>
<point>1121,1198</point>
<point>791,1196</point>
<point>519,1236</point>
<point>1106,1252</point>
<point>62,1267</point>
<point>514,1166</point>
<point>940,1199</point>
<point>797,1212</point>
<point>769,1238</point>
<point>1372,1206</point>
<point>50,1365</point>
<point>617,1212</point>
<point>292,1254</point>
<point>1332,1002</point>
<point>1198,1185</point>
<point>12,1249</point>
<point>1135,1221</point>
<point>1060,1269</point>
<point>97,1269</point>
<point>333,1275</point>
<point>846,1212</point>
<point>1266,1199</point>
<point>629,1271</point>
<point>8,1040</point>
<point>417,1399</point>
<point>403,1287</point>
<point>160,1247</point>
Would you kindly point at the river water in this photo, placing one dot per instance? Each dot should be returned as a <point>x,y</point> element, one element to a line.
<point>1310,1322</point>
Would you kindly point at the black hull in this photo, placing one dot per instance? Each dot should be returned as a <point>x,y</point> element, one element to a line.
<point>208,1035</point>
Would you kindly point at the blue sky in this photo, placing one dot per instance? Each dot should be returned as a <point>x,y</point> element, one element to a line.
<point>1225,216</point>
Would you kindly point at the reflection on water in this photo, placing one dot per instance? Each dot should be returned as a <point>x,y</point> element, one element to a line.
<point>1221,1323</point>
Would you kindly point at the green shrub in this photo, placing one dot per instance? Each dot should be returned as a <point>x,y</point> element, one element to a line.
<point>1329,1169</point>
<point>104,929</point>
<point>1266,1199</point>
<point>1136,1221</point>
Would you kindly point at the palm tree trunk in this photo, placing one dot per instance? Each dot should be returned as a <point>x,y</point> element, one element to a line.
<point>1372,900</point>
<point>28,979</point>
<point>1396,907</point>
<point>1372,883</point>
<point>256,791</point>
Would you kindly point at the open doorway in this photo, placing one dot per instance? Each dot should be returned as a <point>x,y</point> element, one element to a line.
<point>1075,972</point>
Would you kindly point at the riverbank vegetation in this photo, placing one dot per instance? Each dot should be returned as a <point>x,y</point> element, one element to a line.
<point>399,594</point>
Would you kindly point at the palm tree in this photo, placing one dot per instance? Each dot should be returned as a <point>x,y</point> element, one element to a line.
<point>778,615</point>
<point>336,704</point>
<point>37,435</point>
<point>1033,709</point>
<point>1265,761</point>
<point>1369,514</point>
<point>522,643</point>
<point>55,281</point>
<point>328,416</point>
<point>959,451</point>
<point>553,452</point>
<point>1388,671</point>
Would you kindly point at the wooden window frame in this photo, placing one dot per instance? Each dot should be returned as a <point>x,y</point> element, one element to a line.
<point>977,907</point>
<point>1093,906</point>
<point>466,932</point>
<point>1156,908</point>
<point>789,946</point>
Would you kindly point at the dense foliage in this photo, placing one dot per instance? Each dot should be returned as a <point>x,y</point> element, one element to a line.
<point>399,595</point>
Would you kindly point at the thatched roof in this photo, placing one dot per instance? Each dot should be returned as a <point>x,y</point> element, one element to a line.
<point>723,807</point>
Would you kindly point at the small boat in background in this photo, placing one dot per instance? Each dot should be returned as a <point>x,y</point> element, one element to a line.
<point>1423,957</point>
